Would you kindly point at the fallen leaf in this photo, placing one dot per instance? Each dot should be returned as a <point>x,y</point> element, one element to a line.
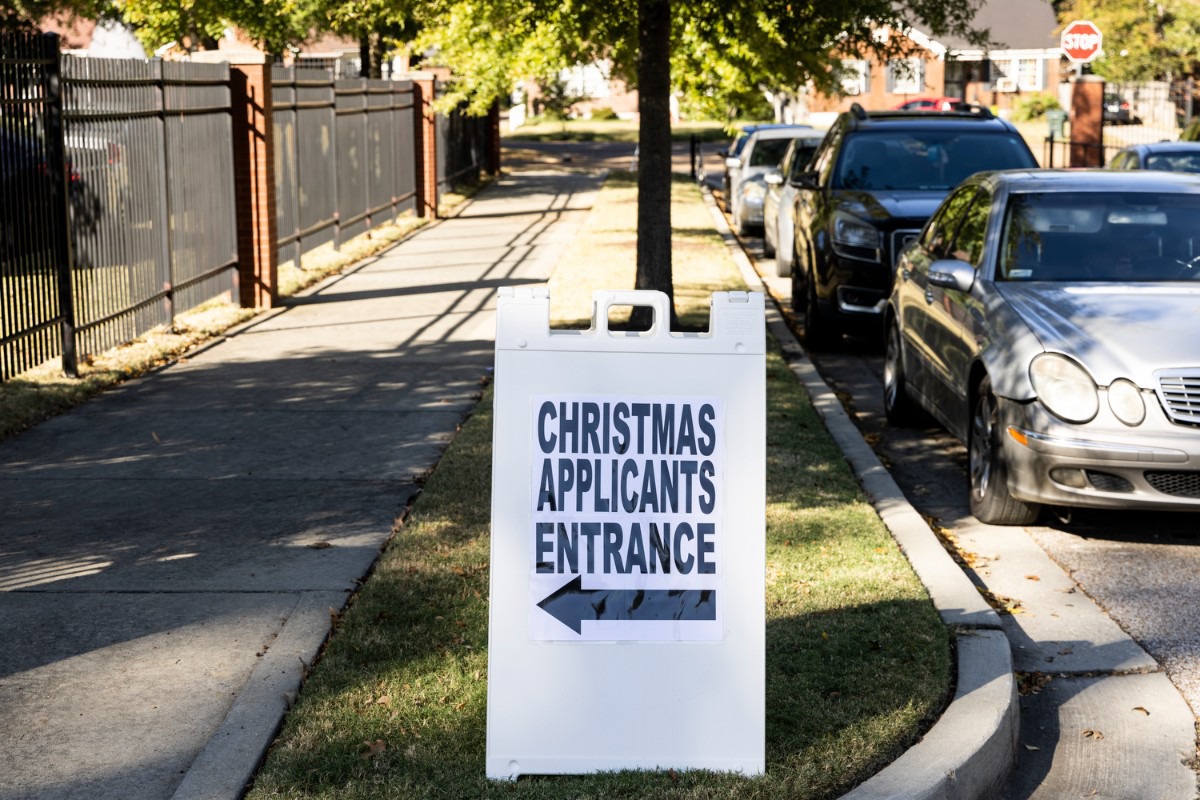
<point>1031,747</point>
<point>1091,734</point>
<point>384,700</point>
<point>318,545</point>
<point>1144,711</point>
<point>368,750</point>
<point>1032,578</point>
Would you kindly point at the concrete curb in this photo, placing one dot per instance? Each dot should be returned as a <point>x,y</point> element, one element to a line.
<point>971,749</point>
<point>232,756</point>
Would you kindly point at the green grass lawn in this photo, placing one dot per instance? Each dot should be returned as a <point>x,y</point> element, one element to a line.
<point>858,662</point>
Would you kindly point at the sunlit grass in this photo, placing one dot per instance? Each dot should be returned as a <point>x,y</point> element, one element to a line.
<point>858,662</point>
<point>614,130</point>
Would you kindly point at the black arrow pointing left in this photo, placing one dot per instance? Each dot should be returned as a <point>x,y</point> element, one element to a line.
<point>571,604</point>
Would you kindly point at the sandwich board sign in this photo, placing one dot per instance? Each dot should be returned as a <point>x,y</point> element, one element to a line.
<point>627,620</point>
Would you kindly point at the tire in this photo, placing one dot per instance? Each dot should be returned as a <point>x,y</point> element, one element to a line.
<point>768,244</point>
<point>990,501</point>
<point>820,332</point>
<point>898,407</point>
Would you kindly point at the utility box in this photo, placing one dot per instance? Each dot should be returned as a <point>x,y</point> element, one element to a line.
<point>627,621</point>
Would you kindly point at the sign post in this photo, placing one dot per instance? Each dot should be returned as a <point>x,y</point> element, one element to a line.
<point>1081,41</point>
<point>627,622</point>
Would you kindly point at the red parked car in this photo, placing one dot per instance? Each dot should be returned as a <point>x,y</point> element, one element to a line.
<point>934,104</point>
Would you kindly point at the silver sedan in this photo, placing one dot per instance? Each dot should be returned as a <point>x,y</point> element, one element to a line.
<point>1050,319</point>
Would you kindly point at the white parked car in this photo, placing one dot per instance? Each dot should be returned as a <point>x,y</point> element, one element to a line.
<point>779,203</point>
<point>748,188</point>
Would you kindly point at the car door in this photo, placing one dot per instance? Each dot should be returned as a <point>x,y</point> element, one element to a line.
<point>952,311</point>
<point>914,296</point>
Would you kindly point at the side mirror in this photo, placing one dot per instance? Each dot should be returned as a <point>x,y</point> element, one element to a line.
<point>805,180</point>
<point>774,178</point>
<point>952,274</point>
<point>733,163</point>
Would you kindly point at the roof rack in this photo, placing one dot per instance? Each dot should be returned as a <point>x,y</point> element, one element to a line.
<point>971,110</point>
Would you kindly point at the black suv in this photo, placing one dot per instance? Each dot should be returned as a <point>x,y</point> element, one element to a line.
<point>872,184</point>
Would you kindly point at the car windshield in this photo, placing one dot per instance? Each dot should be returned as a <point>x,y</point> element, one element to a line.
<point>925,159</point>
<point>768,152</point>
<point>1174,162</point>
<point>1106,237</point>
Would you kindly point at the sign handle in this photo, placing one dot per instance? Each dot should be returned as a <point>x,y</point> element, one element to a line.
<point>603,301</point>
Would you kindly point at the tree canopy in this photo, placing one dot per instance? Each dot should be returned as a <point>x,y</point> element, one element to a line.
<point>718,52</point>
<point>1156,40</point>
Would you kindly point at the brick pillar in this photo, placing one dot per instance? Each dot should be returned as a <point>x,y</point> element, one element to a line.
<point>254,184</point>
<point>493,139</point>
<point>1087,121</point>
<point>425,143</point>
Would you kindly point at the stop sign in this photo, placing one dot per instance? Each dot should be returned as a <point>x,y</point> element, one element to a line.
<point>1081,41</point>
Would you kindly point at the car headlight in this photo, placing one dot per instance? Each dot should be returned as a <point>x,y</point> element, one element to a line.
<point>850,231</point>
<point>1125,400</point>
<point>1064,387</point>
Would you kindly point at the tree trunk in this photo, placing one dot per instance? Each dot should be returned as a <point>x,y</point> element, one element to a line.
<point>654,155</point>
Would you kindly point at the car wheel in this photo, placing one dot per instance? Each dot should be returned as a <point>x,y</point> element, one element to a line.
<point>820,332</point>
<point>990,501</point>
<point>898,407</point>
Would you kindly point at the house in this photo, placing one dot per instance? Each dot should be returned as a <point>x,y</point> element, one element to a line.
<point>1023,58</point>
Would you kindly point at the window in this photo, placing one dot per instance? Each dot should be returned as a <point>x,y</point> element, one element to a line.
<point>968,244</point>
<point>856,77</point>
<point>1029,74</point>
<point>1009,74</point>
<point>941,230</point>
<point>906,76</point>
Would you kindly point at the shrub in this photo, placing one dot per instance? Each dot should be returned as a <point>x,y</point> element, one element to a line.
<point>604,113</point>
<point>1033,106</point>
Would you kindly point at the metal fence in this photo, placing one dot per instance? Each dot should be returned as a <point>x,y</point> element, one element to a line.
<point>1153,111</point>
<point>117,186</point>
<point>34,308</point>
<point>142,153</point>
<point>153,225</point>
<point>461,147</point>
<point>344,156</point>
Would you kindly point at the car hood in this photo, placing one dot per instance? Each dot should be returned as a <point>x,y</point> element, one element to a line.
<point>892,204</point>
<point>1126,330</point>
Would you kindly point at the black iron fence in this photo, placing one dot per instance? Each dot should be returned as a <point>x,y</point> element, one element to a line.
<point>35,306</point>
<point>461,147</point>
<point>1133,113</point>
<point>119,187</point>
<point>140,155</point>
<point>153,226</point>
<point>344,156</point>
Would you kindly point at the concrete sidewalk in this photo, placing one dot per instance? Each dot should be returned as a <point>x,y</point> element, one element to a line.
<point>171,552</point>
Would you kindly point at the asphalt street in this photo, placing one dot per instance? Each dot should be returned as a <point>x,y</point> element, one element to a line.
<point>1102,609</point>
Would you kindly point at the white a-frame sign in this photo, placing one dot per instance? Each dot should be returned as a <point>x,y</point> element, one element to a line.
<point>628,556</point>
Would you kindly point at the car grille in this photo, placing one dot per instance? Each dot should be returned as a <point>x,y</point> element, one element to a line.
<point>1179,392</point>
<point>1105,482</point>
<point>1176,484</point>
<point>900,240</point>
